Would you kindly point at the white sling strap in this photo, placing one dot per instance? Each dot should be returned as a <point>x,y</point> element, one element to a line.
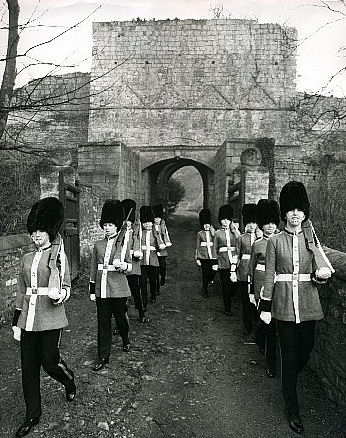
<point>33,297</point>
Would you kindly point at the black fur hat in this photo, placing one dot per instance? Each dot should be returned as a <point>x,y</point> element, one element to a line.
<point>293,195</point>
<point>249,212</point>
<point>204,216</point>
<point>47,214</point>
<point>146,214</point>
<point>267,212</point>
<point>158,210</point>
<point>112,213</point>
<point>129,209</point>
<point>225,212</point>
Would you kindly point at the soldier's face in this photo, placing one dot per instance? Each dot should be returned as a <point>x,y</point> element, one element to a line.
<point>110,229</point>
<point>207,227</point>
<point>147,225</point>
<point>225,223</point>
<point>269,229</point>
<point>295,217</point>
<point>157,220</point>
<point>40,238</point>
<point>251,227</point>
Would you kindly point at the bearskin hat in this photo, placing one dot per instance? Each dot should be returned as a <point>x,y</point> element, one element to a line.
<point>158,210</point>
<point>293,195</point>
<point>146,214</point>
<point>129,209</point>
<point>112,213</point>
<point>47,214</point>
<point>204,216</point>
<point>225,212</point>
<point>267,212</point>
<point>249,212</point>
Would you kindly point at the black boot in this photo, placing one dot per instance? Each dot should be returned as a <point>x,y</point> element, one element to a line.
<point>26,426</point>
<point>295,423</point>
<point>100,364</point>
<point>70,391</point>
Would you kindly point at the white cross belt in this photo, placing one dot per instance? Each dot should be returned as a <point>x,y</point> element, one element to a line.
<point>293,277</point>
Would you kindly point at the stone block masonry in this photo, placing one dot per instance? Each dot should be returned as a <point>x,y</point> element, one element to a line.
<point>202,80</point>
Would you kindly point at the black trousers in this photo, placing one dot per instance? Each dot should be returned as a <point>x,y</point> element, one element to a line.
<point>250,314</point>
<point>161,273</point>
<point>208,274</point>
<point>36,349</point>
<point>133,282</point>
<point>270,344</point>
<point>296,343</point>
<point>106,307</point>
<point>228,288</point>
<point>148,272</point>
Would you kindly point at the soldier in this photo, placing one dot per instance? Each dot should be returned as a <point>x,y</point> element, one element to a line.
<point>132,235</point>
<point>294,263</point>
<point>151,244</point>
<point>268,218</point>
<point>161,228</point>
<point>205,255</point>
<point>225,251</point>
<point>243,249</point>
<point>43,288</point>
<point>110,262</point>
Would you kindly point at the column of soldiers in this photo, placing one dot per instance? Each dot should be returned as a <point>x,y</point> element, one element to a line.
<point>275,273</point>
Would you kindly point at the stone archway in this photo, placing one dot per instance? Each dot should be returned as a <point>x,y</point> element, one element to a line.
<point>159,173</point>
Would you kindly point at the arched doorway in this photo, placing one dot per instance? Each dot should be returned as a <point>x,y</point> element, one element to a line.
<point>158,174</point>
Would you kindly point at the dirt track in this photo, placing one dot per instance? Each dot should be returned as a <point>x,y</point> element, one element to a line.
<point>190,373</point>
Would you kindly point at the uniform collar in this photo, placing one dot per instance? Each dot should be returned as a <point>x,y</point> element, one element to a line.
<point>291,233</point>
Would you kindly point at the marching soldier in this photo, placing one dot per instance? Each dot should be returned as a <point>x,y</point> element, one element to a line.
<point>132,235</point>
<point>226,257</point>
<point>161,228</point>
<point>43,288</point>
<point>151,244</point>
<point>110,262</point>
<point>243,249</point>
<point>205,255</point>
<point>295,261</point>
<point>268,218</point>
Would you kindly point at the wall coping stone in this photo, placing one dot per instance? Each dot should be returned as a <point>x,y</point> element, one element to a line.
<point>14,241</point>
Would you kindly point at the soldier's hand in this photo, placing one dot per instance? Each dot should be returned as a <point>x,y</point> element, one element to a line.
<point>266,317</point>
<point>252,299</point>
<point>323,273</point>
<point>116,263</point>
<point>162,246</point>
<point>198,262</point>
<point>233,277</point>
<point>138,254</point>
<point>123,266</point>
<point>16,332</point>
<point>92,297</point>
<point>54,293</point>
<point>215,267</point>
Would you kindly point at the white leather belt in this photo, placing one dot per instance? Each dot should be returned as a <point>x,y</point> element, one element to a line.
<point>245,257</point>
<point>260,267</point>
<point>101,267</point>
<point>37,291</point>
<point>151,248</point>
<point>225,248</point>
<point>206,244</point>
<point>291,277</point>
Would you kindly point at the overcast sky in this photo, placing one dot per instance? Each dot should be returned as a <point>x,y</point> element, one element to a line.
<point>322,33</point>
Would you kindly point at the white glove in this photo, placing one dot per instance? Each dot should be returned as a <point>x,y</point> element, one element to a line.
<point>215,267</point>
<point>233,277</point>
<point>92,297</point>
<point>116,263</point>
<point>162,246</point>
<point>168,244</point>
<point>16,332</point>
<point>198,262</point>
<point>252,299</point>
<point>123,266</point>
<point>138,254</point>
<point>54,293</point>
<point>323,273</point>
<point>266,317</point>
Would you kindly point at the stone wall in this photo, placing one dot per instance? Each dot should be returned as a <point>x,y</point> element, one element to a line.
<point>12,249</point>
<point>191,82</point>
<point>329,355</point>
